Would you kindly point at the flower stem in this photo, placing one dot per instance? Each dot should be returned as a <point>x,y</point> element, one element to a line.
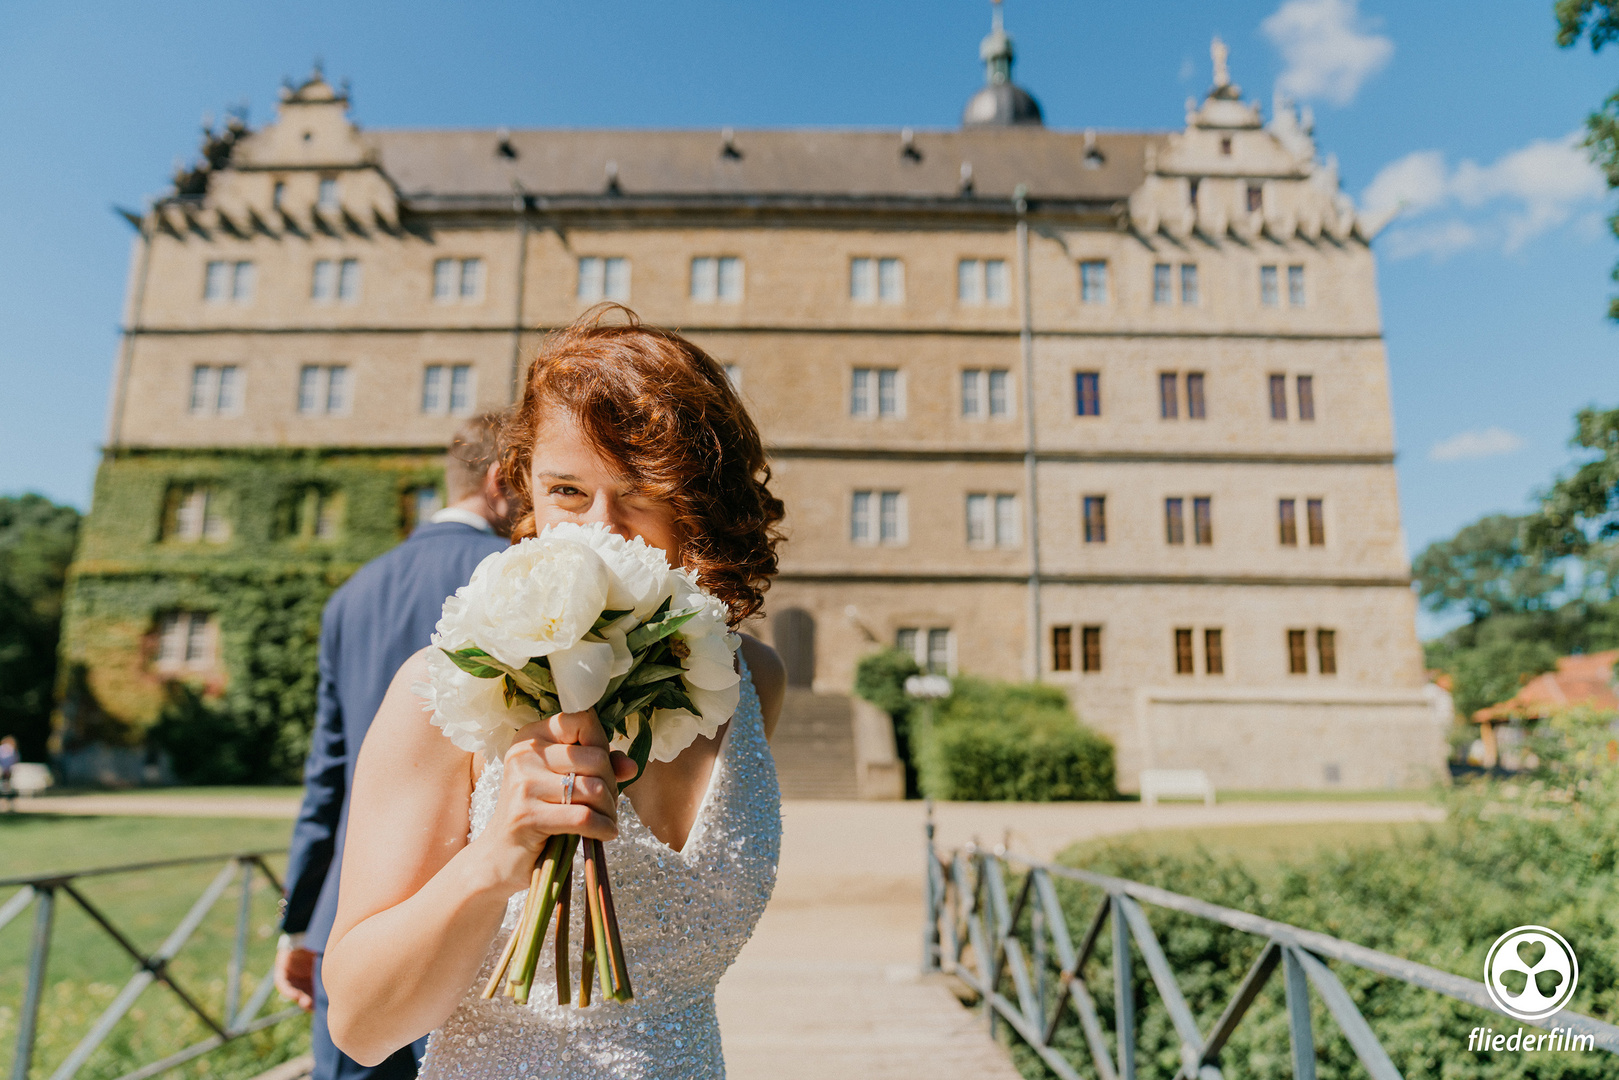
<point>564,910</point>
<point>557,861</point>
<point>598,915</point>
<point>621,973</point>
<point>587,958</point>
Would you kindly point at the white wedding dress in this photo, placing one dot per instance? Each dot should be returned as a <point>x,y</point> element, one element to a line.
<point>683,915</point>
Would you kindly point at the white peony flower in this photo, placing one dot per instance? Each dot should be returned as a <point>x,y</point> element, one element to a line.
<point>472,712</point>
<point>536,598</point>
<point>641,575</point>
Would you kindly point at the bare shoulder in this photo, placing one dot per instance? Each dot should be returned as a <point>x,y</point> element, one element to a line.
<point>769,679</point>
<point>403,730</point>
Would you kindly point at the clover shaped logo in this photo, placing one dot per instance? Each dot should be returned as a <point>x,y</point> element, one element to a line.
<point>1531,972</point>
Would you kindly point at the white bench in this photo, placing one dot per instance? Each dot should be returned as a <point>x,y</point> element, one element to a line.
<point>1176,783</point>
<point>29,778</point>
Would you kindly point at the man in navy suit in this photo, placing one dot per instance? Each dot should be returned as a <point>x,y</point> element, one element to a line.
<point>371,626</point>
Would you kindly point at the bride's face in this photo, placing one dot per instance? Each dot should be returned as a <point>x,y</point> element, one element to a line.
<point>572,482</point>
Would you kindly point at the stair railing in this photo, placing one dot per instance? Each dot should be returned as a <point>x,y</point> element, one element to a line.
<point>974,932</point>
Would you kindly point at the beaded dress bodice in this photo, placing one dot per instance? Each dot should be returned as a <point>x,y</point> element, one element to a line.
<point>684,917</point>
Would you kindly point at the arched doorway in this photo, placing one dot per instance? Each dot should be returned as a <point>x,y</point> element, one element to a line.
<point>794,631</point>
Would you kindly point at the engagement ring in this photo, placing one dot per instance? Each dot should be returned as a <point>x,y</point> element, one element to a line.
<point>567,789</point>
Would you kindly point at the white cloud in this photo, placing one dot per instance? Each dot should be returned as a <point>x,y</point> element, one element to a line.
<point>1471,445</point>
<point>1522,194</point>
<point>1329,49</point>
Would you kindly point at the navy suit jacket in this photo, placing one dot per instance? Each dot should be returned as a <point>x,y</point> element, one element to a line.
<point>371,626</point>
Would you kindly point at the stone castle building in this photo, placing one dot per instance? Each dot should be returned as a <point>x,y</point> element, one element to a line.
<point>1105,409</point>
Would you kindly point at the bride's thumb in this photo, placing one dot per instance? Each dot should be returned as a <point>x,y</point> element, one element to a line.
<point>623,767</point>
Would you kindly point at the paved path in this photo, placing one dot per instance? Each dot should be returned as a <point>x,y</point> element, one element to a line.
<point>829,985</point>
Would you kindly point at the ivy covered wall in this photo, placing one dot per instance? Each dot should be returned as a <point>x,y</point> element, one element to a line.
<point>286,527</point>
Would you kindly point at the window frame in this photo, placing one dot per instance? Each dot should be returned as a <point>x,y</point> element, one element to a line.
<point>1093,516</point>
<point>1090,649</point>
<point>1062,648</point>
<point>1213,651</point>
<point>1315,521</point>
<point>1203,520</point>
<point>1298,652</point>
<point>1304,390</point>
<point>1278,396</point>
<point>1270,294</point>
<point>1093,282</point>
<point>1196,396</point>
<point>1296,295</point>
<point>1175,520</point>
<point>1287,522</point>
<point>1185,654</point>
<point>1169,395</point>
<point>1087,393</point>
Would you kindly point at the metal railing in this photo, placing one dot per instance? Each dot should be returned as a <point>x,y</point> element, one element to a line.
<point>973,932</point>
<point>43,892</point>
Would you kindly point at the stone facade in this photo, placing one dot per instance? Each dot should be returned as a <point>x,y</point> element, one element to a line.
<point>1282,287</point>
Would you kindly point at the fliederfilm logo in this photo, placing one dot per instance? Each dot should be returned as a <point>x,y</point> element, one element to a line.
<point>1531,973</point>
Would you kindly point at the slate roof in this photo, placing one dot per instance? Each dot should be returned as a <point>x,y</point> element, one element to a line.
<point>452,167</point>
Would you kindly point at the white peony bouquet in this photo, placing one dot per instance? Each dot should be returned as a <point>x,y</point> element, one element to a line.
<point>579,618</point>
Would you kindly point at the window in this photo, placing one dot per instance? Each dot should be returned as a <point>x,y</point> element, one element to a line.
<point>1268,290</point>
<point>933,650</point>
<point>228,281</point>
<point>937,660</point>
<point>1306,388</point>
<point>733,375</point>
<point>1213,653</point>
<point>195,512</point>
<point>1194,396</point>
<point>323,283</point>
<point>1189,284</point>
<point>186,641</point>
<point>986,392</point>
<point>1256,197</point>
<point>716,278</point>
<point>457,280</point>
<point>1202,520</point>
<point>1326,648</point>
<point>216,390</point>
<point>1163,287</point>
<point>319,514</point>
<point>1298,660</point>
<point>1168,395</point>
<point>871,280</point>
<point>327,196</point>
<point>603,278</point>
<point>1093,282</point>
<point>1062,648</point>
<point>983,281</point>
<point>323,390</point>
<point>888,509</point>
<point>1090,648</point>
<point>905,640</point>
<point>1315,517</point>
<point>348,280</point>
<point>1287,522</point>
<point>447,389</point>
<point>1183,652</point>
<point>1095,519</point>
<point>1295,286</point>
<point>992,521</point>
<point>1278,397</point>
<point>876,392</point>
<point>1088,393</point>
<point>277,194</point>
<point>1174,521</point>
<point>1225,145</point>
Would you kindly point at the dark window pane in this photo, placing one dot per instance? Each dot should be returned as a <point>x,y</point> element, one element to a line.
<point>1183,652</point>
<point>1091,648</point>
<point>1306,397</point>
<point>1326,647</point>
<point>1287,520</point>
<point>1087,393</point>
<point>1278,397</point>
<point>1202,521</point>
<point>1317,522</point>
<point>1095,519</point>
<point>1062,648</point>
<point>1174,521</point>
<point>1256,196</point>
<point>1168,395</point>
<point>1194,395</point>
<point>1213,653</point>
<point>1297,662</point>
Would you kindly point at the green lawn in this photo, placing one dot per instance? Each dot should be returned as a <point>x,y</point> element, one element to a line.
<point>221,792</point>
<point>1258,847</point>
<point>87,968</point>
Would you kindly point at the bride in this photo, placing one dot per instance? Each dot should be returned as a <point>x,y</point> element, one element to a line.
<point>637,428</point>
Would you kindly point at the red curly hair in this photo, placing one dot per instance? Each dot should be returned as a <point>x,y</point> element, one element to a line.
<point>665,413</point>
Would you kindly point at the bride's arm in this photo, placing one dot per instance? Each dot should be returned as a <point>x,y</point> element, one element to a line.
<point>419,905</point>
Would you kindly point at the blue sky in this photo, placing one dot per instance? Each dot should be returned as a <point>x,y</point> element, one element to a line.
<point>1494,282</point>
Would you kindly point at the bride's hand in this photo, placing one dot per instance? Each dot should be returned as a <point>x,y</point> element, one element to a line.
<point>531,808</point>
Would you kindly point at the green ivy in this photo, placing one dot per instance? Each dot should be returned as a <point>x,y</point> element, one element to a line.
<point>266,586</point>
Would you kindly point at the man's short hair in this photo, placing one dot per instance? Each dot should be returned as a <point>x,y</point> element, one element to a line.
<point>475,447</point>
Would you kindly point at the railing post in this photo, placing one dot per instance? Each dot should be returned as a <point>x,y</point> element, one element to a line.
<point>1298,1015</point>
<point>39,953</point>
<point>933,889</point>
<point>1037,932</point>
<point>1124,993</point>
<point>238,956</point>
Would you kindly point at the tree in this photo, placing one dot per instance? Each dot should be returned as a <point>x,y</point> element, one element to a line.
<point>1580,514</point>
<point>36,545</point>
<point>1599,21</point>
<point>1487,570</point>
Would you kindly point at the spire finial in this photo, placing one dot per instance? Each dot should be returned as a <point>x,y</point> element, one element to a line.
<point>1218,52</point>
<point>996,49</point>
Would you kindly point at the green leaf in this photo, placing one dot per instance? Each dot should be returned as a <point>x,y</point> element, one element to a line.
<point>608,618</point>
<point>468,662</point>
<point>651,632</point>
<point>672,695</point>
<point>640,751</point>
<point>539,671</point>
<point>651,673</point>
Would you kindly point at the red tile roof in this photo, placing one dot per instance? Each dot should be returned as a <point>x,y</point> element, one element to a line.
<point>1578,680</point>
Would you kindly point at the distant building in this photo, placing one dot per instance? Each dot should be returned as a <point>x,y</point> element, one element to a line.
<point>1142,450</point>
<point>1578,682</point>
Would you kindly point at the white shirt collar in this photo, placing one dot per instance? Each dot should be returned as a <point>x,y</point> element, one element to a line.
<point>462,517</point>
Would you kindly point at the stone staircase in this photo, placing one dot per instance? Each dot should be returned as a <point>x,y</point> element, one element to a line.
<point>814,746</point>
